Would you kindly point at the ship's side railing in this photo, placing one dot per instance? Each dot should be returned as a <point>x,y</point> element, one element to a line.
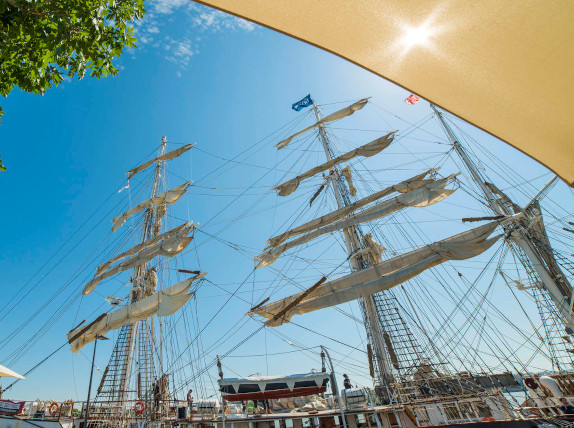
<point>102,412</point>
<point>49,410</point>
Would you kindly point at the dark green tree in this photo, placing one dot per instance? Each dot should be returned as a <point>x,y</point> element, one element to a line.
<point>42,41</point>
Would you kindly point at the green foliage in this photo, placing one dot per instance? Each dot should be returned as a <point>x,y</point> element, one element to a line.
<point>43,40</point>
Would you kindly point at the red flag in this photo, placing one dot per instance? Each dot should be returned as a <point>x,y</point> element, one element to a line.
<point>412,99</point>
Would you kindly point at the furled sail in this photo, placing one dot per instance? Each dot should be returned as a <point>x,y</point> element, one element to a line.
<point>169,197</point>
<point>136,249</point>
<point>346,172</point>
<point>162,303</point>
<point>422,197</point>
<point>168,244</point>
<point>339,114</point>
<point>382,276</point>
<point>167,156</point>
<point>366,150</point>
<point>412,183</point>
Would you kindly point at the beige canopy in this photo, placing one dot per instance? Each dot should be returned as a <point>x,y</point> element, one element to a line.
<point>6,372</point>
<point>506,67</point>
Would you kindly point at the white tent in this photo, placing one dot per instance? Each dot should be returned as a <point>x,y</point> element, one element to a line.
<point>6,372</point>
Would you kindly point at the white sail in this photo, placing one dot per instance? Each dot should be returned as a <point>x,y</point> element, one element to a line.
<point>137,248</point>
<point>169,244</point>
<point>169,197</point>
<point>422,197</point>
<point>382,276</point>
<point>167,156</point>
<point>162,303</point>
<point>339,114</point>
<point>412,183</point>
<point>366,150</point>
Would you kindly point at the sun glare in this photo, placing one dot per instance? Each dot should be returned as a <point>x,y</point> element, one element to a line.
<point>416,36</point>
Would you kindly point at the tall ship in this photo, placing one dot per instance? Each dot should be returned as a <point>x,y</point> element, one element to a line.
<point>466,323</point>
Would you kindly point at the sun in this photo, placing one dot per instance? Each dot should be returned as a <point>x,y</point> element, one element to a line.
<point>414,36</point>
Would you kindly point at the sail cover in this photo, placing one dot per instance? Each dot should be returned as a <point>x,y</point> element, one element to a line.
<point>163,303</point>
<point>347,111</point>
<point>422,197</point>
<point>168,244</point>
<point>169,197</point>
<point>412,183</point>
<point>273,387</point>
<point>384,275</point>
<point>167,156</point>
<point>366,150</point>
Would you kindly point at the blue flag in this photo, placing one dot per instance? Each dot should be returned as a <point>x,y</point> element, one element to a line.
<point>305,102</point>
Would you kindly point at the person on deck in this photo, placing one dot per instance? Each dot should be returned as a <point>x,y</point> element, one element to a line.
<point>190,400</point>
<point>566,408</point>
<point>156,394</point>
<point>347,382</point>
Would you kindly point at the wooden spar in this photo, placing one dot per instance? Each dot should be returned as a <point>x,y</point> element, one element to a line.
<point>469,219</point>
<point>370,358</point>
<point>104,378</point>
<point>194,272</point>
<point>82,331</point>
<point>297,300</point>
<point>259,305</point>
<point>317,193</point>
<point>78,325</point>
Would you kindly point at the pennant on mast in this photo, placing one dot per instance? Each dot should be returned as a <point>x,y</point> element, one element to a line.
<point>366,150</point>
<point>169,197</point>
<point>167,156</point>
<point>339,114</point>
<point>382,276</point>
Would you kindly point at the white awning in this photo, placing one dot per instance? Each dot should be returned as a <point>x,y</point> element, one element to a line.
<point>6,372</point>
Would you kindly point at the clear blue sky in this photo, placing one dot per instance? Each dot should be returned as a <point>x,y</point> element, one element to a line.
<point>197,76</point>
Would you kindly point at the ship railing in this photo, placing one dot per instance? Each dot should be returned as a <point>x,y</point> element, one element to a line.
<point>48,410</point>
<point>136,409</point>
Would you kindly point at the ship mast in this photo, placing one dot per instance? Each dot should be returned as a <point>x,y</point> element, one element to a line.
<point>140,328</point>
<point>554,283</point>
<point>352,242</point>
